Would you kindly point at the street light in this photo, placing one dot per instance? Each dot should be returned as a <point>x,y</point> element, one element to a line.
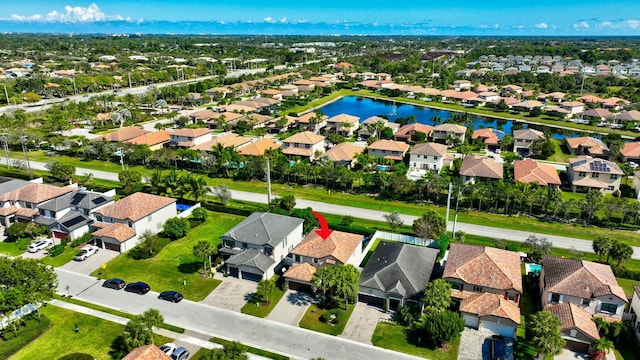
<point>23,139</point>
<point>121,153</point>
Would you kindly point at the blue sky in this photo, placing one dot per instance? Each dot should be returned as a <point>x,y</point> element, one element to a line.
<point>568,17</point>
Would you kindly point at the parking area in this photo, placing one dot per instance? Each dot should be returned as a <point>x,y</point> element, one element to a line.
<point>363,322</point>
<point>93,262</point>
<point>291,308</point>
<point>232,294</point>
<point>475,344</point>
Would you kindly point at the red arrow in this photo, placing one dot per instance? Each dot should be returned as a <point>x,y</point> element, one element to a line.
<point>324,231</point>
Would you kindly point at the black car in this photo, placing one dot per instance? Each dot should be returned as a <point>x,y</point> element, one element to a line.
<point>172,296</point>
<point>114,283</point>
<point>137,287</point>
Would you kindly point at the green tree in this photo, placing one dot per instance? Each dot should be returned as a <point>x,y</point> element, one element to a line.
<point>25,281</point>
<point>129,178</point>
<point>538,247</point>
<point>347,283</point>
<point>265,289</point>
<point>62,171</point>
<point>394,220</point>
<point>204,249</point>
<point>602,246</point>
<point>223,194</point>
<point>408,313</point>
<point>139,330</point>
<point>430,226</point>
<point>437,296</point>
<point>546,334</point>
<point>591,203</point>
<point>438,328</point>
<point>200,214</point>
<point>176,228</point>
<point>621,252</point>
<point>232,351</point>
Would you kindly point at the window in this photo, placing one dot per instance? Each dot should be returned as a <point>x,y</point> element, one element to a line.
<point>555,298</point>
<point>582,174</point>
<point>435,158</point>
<point>610,188</point>
<point>149,218</point>
<point>244,245</point>
<point>315,260</point>
<point>573,333</point>
<point>297,258</point>
<point>268,251</point>
<point>229,243</point>
<point>595,175</point>
<point>477,288</point>
<point>511,297</point>
<point>610,308</point>
<point>130,224</point>
<point>614,176</point>
<point>586,302</point>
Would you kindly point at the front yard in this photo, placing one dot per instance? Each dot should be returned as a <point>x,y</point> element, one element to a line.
<point>394,337</point>
<point>312,320</point>
<point>263,309</point>
<point>175,265</point>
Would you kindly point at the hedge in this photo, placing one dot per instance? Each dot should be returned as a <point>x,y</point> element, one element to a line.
<point>225,209</point>
<point>624,273</point>
<point>56,250</point>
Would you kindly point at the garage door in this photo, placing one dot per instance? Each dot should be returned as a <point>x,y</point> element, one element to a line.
<point>251,276</point>
<point>371,300</point>
<point>500,329</point>
<point>233,271</point>
<point>111,246</point>
<point>293,285</point>
<point>577,346</point>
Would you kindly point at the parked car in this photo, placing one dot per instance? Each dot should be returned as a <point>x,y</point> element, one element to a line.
<point>85,252</point>
<point>497,348</point>
<point>180,354</point>
<point>137,287</point>
<point>114,283</point>
<point>632,164</point>
<point>172,296</point>
<point>168,348</point>
<point>34,247</point>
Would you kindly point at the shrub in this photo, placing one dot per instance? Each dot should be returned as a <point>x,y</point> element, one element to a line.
<point>200,214</point>
<point>332,316</point>
<point>86,237</point>
<point>176,228</point>
<point>148,248</point>
<point>23,244</point>
<point>56,250</point>
<point>15,230</point>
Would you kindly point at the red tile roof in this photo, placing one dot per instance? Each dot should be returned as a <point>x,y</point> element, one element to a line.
<point>529,171</point>
<point>135,206</point>
<point>489,304</point>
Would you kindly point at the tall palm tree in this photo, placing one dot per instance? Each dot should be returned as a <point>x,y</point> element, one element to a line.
<point>197,187</point>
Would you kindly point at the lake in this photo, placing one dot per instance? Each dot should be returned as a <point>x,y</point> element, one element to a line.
<point>366,107</point>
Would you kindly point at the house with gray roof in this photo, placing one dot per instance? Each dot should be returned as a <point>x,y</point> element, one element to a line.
<point>259,245</point>
<point>395,274</point>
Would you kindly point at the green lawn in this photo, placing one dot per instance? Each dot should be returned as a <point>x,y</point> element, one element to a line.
<point>394,337</point>
<point>95,336</point>
<point>252,350</point>
<point>13,340</point>
<point>175,264</point>
<point>61,259</point>
<point>627,285</point>
<point>10,249</point>
<point>311,320</point>
<point>560,154</point>
<point>263,309</point>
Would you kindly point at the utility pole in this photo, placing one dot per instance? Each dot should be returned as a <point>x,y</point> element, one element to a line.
<point>455,216</point>
<point>446,220</point>
<point>6,94</point>
<point>23,139</point>
<point>129,75</point>
<point>268,181</point>
<point>5,143</point>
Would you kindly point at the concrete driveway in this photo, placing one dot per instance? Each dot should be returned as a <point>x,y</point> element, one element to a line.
<point>291,307</point>
<point>93,262</point>
<point>472,343</point>
<point>363,322</point>
<point>232,294</point>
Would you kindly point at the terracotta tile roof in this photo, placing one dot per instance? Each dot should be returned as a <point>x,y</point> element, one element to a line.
<point>631,149</point>
<point>343,118</point>
<point>407,130</point>
<point>429,149</point>
<point>591,99</point>
<point>228,116</point>
<point>148,352</point>
<point>484,266</point>
<point>204,115</point>
<point>123,134</point>
<point>191,132</point>
<point>589,164</point>
<point>26,212</point>
<point>226,140</point>
<point>345,151</point>
<point>339,245</point>
<point>528,134</point>
<point>452,128</point>
<point>298,151</point>
<point>529,171</point>
<point>35,193</point>
<point>118,231</point>
<point>488,136</point>
<point>573,317</point>
<point>303,271</point>
<point>461,95</point>
<point>305,118</point>
<point>529,104</point>
<point>507,101</point>
<point>580,278</point>
<point>478,166</point>
<point>150,139</point>
<point>258,148</point>
<point>135,206</point>
<point>595,146</point>
<point>4,211</point>
<point>571,104</point>
<point>389,145</point>
<point>489,304</point>
<point>305,137</point>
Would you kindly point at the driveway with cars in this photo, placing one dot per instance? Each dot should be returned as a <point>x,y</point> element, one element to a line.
<point>363,321</point>
<point>93,262</point>
<point>291,307</point>
<point>232,294</point>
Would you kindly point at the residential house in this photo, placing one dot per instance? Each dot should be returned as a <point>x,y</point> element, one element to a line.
<point>188,138</point>
<point>523,140</point>
<point>305,144</point>
<point>635,310</point>
<point>339,248</point>
<point>257,246</point>
<point>258,147</point>
<point>491,313</point>
<point>577,327</point>
<point>448,133</point>
<point>123,134</point>
<point>586,173</point>
<point>388,149</point>
<point>396,274</point>
<point>574,107</point>
<point>367,130</point>
<point>599,114</point>
<point>22,201</point>
<point>343,124</point>
<point>122,223</point>
<point>154,140</point>
<point>218,120</point>
<point>225,140</point>
<point>147,352</point>
<point>477,168</point>
<point>587,146</point>
<point>527,105</point>
<point>533,172</point>
<point>488,137</point>
<point>310,121</point>
<point>631,152</point>
<point>407,132</point>
<point>589,285</point>
<point>343,154</point>
<point>426,157</point>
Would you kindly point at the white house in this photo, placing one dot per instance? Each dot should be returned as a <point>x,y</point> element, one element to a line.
<point>635,310</point>
<point>428,156</point>
<point>190,137</point>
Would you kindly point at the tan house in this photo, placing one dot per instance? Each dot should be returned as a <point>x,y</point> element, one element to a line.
<point>226,140</point>
<point>406,132</point>
<point>631,151</point>
<point>533,172</point>
<point>258,147</point>
<point>448,133</point>
<point>586,173</point>
<point>190,137</point>
<point>524,139</point>
<point>304,144</point>
<point>343,124</point>
<point>477,168</point>
<point>488,137</point>
<point>388,149</point>
<point>365,132</point>
<point>123,134</point>
<point>154,140</point>
<point>216,119</point>
<point>577,327</point>
<point>310,121</point>
<point>574,107</point>
<point>343,154</point>
<point>491,312</point>
<point>22,200</point>
<point>586,145</point>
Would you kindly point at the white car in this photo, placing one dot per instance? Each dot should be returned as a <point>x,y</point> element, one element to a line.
<point>85,252</point>
<point>632,164</point>
<point>34,247</point>
<point>168,348</point>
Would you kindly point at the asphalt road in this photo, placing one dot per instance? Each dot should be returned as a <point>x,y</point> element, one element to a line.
<point>261,333</point>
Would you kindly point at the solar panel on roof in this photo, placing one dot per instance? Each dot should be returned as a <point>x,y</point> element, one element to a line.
<point>76,220</point>
<point>98,200</point>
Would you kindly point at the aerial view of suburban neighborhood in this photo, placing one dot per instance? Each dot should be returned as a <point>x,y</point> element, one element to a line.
<point>228,181</point>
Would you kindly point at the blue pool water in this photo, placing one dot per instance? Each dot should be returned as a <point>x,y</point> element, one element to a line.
<point>535,268</point>
<point>182,207</point>
<point>365,108</point>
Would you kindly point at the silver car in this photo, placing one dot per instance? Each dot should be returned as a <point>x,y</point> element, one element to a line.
<point>85,252</point>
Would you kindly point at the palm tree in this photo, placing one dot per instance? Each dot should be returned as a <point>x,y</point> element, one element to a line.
<point>346,283</point>
<point>197,187</point>
<point>204,249</point>
<point>265,288</point>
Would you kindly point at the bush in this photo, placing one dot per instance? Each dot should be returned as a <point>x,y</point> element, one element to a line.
<point>333,316</point>
<point>200,214</point>
<point>440,327</point>
<point>624,273</point>
<point>15,231</point>
<point>86,237</point>
<point>23,244</point>
<point>225,209</point>
<point>56,250</point>
<point>148,248</point>
<point>176,227</point>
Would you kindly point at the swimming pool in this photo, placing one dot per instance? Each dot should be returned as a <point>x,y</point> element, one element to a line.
<point>536,268</point>
<point>182,207</point>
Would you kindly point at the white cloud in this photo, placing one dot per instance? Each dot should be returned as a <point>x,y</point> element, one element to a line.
<point>634,24</point>
<point>76,14</point>
<point>581,25</point>
<point>606,24</point>
<point>268,19</point>
<point>283,19</point>
<point>542,25</point>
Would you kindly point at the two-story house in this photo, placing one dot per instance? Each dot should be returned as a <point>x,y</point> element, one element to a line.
<point>369,127</point>
<point>407,133</point>
<point>339,248</point>
<point>388,149</point>
<point>256,248</point>
<point>312,121</point>
<point>488,284</point>
<point>343,124</point>
<point>426,157</point>
<point>631,152</point>
<point>448,133</point>
<point>488,137</point>
<point>577,327</point>
<point>120,224</point>
<point>22,203</point>
<point>477,168</point>
<point>586,173</point>
<point>188,138</point>
<point>635,310</point>
<point>524,139</point>
<point>587,146</point>
<point>304,144</point>
<point>343,154</point>
<point>529,171</point>
<point>589,285</point>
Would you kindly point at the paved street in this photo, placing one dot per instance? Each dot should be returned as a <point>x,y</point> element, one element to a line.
<point>261,333</point>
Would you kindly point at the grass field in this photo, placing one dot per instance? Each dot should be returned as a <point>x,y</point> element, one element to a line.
<point>264,309</point>
<point>394,337</point>
<point>15,339</point>
<point>61,259</point>
<point>10,249</point>
<point>311,320</point>
<point>175,264</point>
<point>94,337</point>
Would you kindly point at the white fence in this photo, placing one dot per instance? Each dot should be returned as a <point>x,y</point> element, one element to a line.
<point>17,314</point>
<point>407,239</point>
<point>188,212</point>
